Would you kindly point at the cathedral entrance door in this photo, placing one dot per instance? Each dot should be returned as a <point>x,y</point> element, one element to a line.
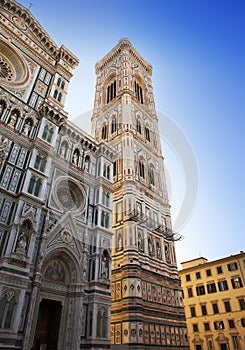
<point>48,325</point>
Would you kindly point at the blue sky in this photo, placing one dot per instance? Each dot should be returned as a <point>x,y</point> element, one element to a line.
<point>197,49</point>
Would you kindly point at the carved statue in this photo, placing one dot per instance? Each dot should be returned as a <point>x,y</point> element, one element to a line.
<point>105,266</point>
<point>13,120</point>
<point>21,245</point>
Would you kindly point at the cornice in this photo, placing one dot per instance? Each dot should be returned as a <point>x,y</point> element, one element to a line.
<point>124,43</point>
<point>40,36</point>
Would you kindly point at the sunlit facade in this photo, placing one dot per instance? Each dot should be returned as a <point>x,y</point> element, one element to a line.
<point>87,256</point>
<point>147,307</point>
<point>214,300</point>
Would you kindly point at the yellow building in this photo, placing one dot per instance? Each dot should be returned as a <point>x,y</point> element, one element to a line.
<point>214,301</point>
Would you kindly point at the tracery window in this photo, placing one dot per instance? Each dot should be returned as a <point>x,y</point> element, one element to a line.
<point>141,169</point>
<point>8,303</point>
<point>114,125</point>
<point>55,93</point>
<point>106,198</point>
<point>104,132</point>
<point>106,171</point>
<point>138,126</point>
<point>40,163</point>
<point>47,133</point>
<point>147,134</point>
<point>105,219</point>
<point>111,91</point>
<point>34,186</point>
<point>138,92</point>
<point>102,323</point>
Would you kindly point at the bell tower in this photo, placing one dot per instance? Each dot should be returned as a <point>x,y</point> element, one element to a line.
<point>147,307</point>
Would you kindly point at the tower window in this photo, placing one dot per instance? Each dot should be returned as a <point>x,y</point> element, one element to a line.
<point>113,125</point>
<point>58,81</point>
<point>138,92</point>
<point>111,91</point>
<point>138,126</point>
<point>104,132</point>
<point>141,169</point>
<point>147,134</point>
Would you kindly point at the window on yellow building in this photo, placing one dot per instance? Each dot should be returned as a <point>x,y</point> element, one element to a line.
<point>190,292</point>
<point>204,310</point>
<point>227,306</point>
<point>215,308</point>
<point>232,266</point>
<point>200,290</point>
<point>223,285</point>
<point>198,275</point>
<point>236,282</point>
<point>195,327</point>
<point>193,311</point>
<point>219,325</point>
<point>231,324</point>
<point>211,288</point>
<point>208,272</point>
<point>219,269</point>
<point>187,278</point>
<point>206,326</point>
<point>242,303</point>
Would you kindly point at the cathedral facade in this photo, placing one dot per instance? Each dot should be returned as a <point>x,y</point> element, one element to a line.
<point>55,200</point>
<point>87,257</point>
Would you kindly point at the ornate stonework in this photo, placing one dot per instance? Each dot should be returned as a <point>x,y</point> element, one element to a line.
<point>55,225</point>
<point>146,289</point>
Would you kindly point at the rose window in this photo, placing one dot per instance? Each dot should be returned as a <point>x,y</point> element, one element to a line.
<point>5,70</point>
<point>69,194</point>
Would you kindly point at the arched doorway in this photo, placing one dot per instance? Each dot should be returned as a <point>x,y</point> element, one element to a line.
<point>48,325</point>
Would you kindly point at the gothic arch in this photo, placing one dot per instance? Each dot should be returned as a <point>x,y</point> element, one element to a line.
<point>109,88</point>
<point>60,266</point>
<point>139,88</point>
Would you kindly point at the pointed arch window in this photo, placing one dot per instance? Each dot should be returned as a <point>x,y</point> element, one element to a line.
<point>138,92</point>
<point>113,125</point>
<point>37,187</point>
<point>102,323</point>
<point>106,171</point>
<point>104,132</point>
<point>59,96</point>
<point>50,134</point>
<point>111,91</point>
<point>141,169</point>
<point>7,307</point>
<point>147,134</point>
<point>138,126</point>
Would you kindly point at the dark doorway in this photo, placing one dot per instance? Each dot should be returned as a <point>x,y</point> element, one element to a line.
<point>48,325</point>
<point>223,346</point>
